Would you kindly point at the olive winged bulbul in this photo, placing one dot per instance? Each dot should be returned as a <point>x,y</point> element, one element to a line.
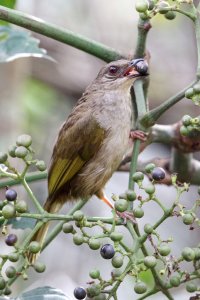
<point>93,140</point>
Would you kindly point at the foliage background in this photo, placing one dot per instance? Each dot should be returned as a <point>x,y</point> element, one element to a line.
<point>36,96</point>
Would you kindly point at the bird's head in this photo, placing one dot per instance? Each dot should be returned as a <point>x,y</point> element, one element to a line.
<point>122,73</point>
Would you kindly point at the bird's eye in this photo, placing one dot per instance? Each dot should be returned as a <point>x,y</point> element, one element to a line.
<point>113,70</point>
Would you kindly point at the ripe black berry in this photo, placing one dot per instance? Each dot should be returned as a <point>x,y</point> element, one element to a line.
<point>11,239</point>
<point>79,293</point>
<point>107,251</point>
<point>11,195</point>
<point>158,173</point>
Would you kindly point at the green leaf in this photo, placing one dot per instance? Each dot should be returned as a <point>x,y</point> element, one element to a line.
<point>22,223</point>
<point>43,293</point>
<point>9,4</point>
<point>16,44</point>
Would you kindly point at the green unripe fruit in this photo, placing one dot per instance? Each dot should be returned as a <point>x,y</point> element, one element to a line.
<point>78,239</point>
<point>189,93</point>
<point>197,253</point>
<point>131,195</point>
<point>150,189</point>
<point>122,196</point>
<point>8,211</point>
<point>170,15</point>
<point>138,212</point>
<point>117,261</point>
<point>175,280</point>
<point>78,215</point>
<point>3,157</point>
<point>34,247</point>
<point>39,267</point>
<point>116,273</point>
<point>151,5</point>
<point>144,16</point>
<point>188,219</point>
<point>10,272</point>
<point>93,290</point>
<point>94,244</point>
<point>116,236</point>
<point>11,150</point>
<point>24,140</point>
<point>7,291</point>
<point>67,228</point>
<point>40,165</point>
<point>149,168</point>
<point>191,287</point>
<point>140,288</point>
<point>184,131</point>
<point>150,261</point>
<point>138,176</point>
<point>186,120</point>
<point>196,88</point>
<point>162,7</point>
<point>121,205</point>
<point>21,206</point>
<point>21,152</point>
<point>141,5</point>
<point>95,274</point>
<point>13,257</point>
<point>188,254</point>
<point>164,250</point>
<point>100,297</point>
<point>2,283</point>
<point>148,228</point>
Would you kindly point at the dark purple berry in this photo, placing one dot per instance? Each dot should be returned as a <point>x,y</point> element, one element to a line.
<point>11,239</point>
<point>107,251</point>
<point>158,174</point>
<point>79,293</point>
<point>11,195</point>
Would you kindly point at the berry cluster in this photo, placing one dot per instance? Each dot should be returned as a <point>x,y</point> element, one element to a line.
<point>193,93</point>
<point>190,126</point>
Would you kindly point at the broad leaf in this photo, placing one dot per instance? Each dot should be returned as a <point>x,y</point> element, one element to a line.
<point>22,223</point>
<point>16,44</point>
<point>43,293</point>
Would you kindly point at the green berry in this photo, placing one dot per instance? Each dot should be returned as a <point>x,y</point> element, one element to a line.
<point>95,274</point>
<point>151,4</point>
<point>11,150</point>
<point>164,250</point>
<point>191,287</point>
<point>116,236</point>
<point>149,168</point>
<point>21,152</point>
<point>116,273</point>
<point>197,253</point>
<point>131,195</point>
<point>39,267</point>
<point>141,5</point>
<point>150,261</point>
<point>117,261</point>
<point>138,212</point>
<point>170,15</point>
<point>94,244</point>
<point>162,7</point>
<point>175,280</point>
<point>67,228</point>
<point>13,257</point>
<point>189,93</point>
<point>122,196</point>
<point>186,120</point>
<point>188,219</point>
<point>3,157</point>
<point>34,247</point>
<point>148,228</point>
<point>8,211</point>
<point>138,176</point>
<point>78,239</point>
<point>2,283</point>
<point>10,272</point>
<point>24,140</point>
<point>78,215</point>
<point>150,189</point>
<point>93,290</point>
<point>140,288</point>
<point>184,131</point>
<point>144,16</point>
<point>40,165</point>
<point>196,88</point>
<point>188,254</point>
<point>100,297</point>
<point>121,205</point>
<point>7,291</point>
<point>21,206</point>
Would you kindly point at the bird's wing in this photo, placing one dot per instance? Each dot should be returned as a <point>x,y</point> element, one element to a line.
<point>77,143</point>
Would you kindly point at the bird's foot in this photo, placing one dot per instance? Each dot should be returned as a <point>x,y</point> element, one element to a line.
<point>127,215</point>
<point>138,134</point>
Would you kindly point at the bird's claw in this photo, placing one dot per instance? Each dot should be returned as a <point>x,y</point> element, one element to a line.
<point>138,134</point>
<point>126,215</point>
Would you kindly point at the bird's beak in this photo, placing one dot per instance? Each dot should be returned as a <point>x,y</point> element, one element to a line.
<point>136,68</point>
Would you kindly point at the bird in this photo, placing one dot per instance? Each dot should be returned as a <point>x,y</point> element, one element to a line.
<point>93,140</point>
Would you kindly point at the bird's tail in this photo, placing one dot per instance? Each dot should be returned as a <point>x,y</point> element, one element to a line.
<point>39,236</point>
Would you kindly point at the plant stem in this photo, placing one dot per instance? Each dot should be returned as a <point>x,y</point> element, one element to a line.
<point>34,199</point>
<point>57,33</point>
<point>197,33</point>
<point>143,29</point>
<point>30,177</point>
